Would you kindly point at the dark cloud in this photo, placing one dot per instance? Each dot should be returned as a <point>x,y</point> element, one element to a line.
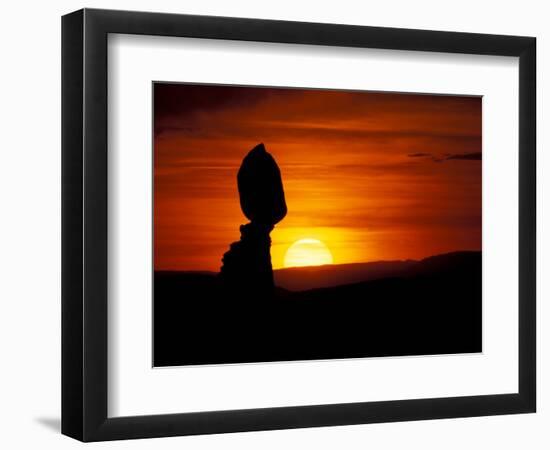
<point>476,156</point>
<point>431,156</point>
<point>419,155</point>
<point>183,99</point>
<point>291,114</point>
<point>466,156</point>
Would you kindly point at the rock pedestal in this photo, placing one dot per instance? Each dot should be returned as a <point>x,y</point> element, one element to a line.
<point>247,264</point>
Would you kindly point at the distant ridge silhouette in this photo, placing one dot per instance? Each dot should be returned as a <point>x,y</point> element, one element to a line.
<point>312,277</point>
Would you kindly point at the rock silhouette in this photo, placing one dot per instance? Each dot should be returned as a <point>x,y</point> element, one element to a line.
<point>261,188</point>
<point>246,267</point>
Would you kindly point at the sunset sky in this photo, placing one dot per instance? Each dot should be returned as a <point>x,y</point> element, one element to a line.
<point>373,176</point>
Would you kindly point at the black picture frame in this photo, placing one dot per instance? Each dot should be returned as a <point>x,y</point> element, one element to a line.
<point>84,224</point>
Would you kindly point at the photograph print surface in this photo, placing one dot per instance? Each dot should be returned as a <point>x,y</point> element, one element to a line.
<point>299,224</point>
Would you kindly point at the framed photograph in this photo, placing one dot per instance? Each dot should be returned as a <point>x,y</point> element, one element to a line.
<point>272,224</point>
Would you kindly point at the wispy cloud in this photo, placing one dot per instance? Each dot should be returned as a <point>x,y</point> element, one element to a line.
<point>466,156</point>
<point>418,155</point>
<point>475,156</point>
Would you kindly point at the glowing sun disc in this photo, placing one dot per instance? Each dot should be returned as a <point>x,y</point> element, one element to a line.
<point>307,252</point>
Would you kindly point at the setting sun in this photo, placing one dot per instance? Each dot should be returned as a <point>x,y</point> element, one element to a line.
<point>307,252</point>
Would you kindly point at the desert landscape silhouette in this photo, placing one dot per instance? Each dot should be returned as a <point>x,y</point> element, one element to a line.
<point>247,312</point>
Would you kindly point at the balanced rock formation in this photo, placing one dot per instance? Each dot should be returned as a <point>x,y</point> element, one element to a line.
<point>261,188</point>
<point>247,265</point>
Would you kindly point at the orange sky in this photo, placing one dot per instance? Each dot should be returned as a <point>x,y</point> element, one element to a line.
<point>375,176</point>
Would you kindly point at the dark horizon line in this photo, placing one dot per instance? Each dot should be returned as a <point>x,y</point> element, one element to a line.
<point>198,271</point>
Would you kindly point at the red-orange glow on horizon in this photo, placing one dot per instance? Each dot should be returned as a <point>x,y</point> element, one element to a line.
<point>373,176</point>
